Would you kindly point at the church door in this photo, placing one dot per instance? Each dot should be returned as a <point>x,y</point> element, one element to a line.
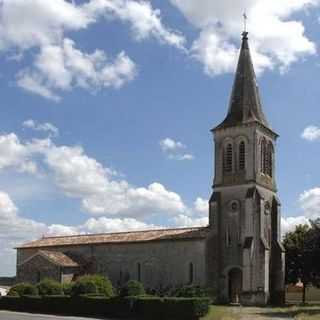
<point>235,284</point>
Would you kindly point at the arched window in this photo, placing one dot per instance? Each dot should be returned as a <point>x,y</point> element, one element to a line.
<point>191,272</point>
<point>139,271</point>
<point>263,155</point>
<point>228,156</point>
<point>270,157</point>
<point>242,155</point>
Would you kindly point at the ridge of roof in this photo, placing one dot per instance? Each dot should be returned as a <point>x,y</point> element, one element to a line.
<point>121,232</point>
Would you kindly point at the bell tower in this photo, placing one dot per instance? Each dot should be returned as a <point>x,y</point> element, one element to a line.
<point>245,256</point>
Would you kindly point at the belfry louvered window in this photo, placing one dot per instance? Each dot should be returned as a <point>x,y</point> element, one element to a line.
<point>263,156</point>
<point>266,157</point>
<point>242,155</point>
<point>269,159</point>
<point>228,156</point>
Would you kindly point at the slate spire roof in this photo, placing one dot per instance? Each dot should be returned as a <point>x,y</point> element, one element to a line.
<point>245,104</point>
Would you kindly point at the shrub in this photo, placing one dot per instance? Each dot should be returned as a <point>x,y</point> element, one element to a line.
<point>93,284</point>
<point>49,287</point>
<point>132,288</point>
<point>22,289</point>
<point>67,288</point>
<point>83,286</point>
<point>190,292</point>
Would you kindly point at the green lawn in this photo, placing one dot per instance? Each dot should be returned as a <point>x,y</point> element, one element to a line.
<point>308,312</point>
<point>221,313</point>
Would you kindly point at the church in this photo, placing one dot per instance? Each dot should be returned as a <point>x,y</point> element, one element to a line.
<point>239,255</point>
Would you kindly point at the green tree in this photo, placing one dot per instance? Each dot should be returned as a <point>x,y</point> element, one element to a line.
<point>302,255</point>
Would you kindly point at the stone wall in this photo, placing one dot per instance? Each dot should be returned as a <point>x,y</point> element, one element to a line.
<point>37,268</point>
<point>161,263</point>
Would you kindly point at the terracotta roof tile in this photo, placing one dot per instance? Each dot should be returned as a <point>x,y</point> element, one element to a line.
<point>120,237</point>
<point>58,258</point>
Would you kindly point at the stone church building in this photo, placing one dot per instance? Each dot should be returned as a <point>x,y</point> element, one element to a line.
<point>239,254</point>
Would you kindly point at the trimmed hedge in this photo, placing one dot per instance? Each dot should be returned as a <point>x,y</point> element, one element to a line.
<point>171,308</point>
<point>149,308</point>
<point>128,307</point>
<point>186,308</point>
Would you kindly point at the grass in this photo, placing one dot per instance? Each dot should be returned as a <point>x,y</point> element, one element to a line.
<point>296,312</point>
<point>221,313</point>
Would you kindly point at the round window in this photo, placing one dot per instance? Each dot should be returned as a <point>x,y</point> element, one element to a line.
<point>234,206</point>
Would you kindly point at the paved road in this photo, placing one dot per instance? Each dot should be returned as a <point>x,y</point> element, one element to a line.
<point>6,315</point>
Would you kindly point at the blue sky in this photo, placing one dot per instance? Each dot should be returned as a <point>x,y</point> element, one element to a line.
<point>107,107</point>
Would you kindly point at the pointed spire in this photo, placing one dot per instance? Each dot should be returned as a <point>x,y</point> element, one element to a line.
<point>245,104</point>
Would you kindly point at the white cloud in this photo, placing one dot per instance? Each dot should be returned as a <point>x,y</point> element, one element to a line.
<point>145,21</point>
<point>289,224</point>
<point>201,206</point>
<point>44,127</point>
<point>174,150</point>
<point>58,65</point>
<point>310,203</point>
<point>35,23</point>
<point>183,220</point>
<point>277,39</point>
<point>79,176</point>
<point>104,225</point>
<point>60,68</point>
<point>168,144</point>
<point>15,154</point>
<point>311,133</point>
<point>181,157</point>
<point>32,82</point>
<point>14,230</point>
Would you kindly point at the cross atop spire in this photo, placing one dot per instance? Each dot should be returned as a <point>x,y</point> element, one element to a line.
<point>245,22</point>
<point>245,104</point>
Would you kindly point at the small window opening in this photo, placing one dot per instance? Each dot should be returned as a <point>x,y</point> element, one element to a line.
<point>139,271</point>
<point>191,273</point>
